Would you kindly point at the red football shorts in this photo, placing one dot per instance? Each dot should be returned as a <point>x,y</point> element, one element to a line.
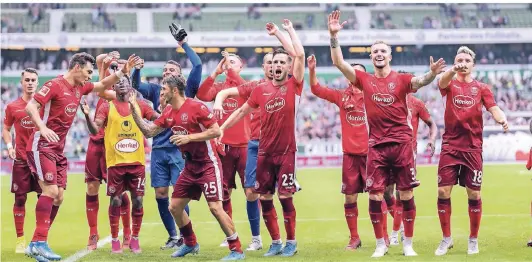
<point>198,178</point>
<point>233,161</point>
<point>276,171</point>
<point>49,167</point>
<point>458,167</point>
<point>353,174</point>
<point>22,181</point>
<point>95,164</point>
<point>126,178</point>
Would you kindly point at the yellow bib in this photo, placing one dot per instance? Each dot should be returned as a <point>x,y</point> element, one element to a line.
<point>124,142</point>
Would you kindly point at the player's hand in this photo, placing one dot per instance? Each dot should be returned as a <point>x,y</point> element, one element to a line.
<point>49,135</point>
<point>438,66</point>
<point>12,153</point>
<point>217,109</point>
<point>84,107</point>
<point>504,124</point>
<point>334,23</point>
<point>459,67</point>
<point>107,61</point>
<point>287,25</point>
<point>220,67</point>
<point>272,28</point>
<point>140,64</point>
<point>132,99</point>
<point>132,62</point>
<point>432,147</point>
<point>311,61</point>
<point>179,33</point>
<point>179,140</point>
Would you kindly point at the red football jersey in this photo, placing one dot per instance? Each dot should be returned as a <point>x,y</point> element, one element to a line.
<point>16,115</point>
<point>352,116</point>
<point>463,114</point>
<point>238,135</point>
<point>386,109</point>
<point>417,110</point>
<point>193,117</point>
<point>278,106</point>
<point>244,91</point>
<point>59,104</point>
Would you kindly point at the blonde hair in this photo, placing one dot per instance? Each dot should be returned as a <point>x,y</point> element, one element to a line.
<point>466,50</point>
<point>378,42</point>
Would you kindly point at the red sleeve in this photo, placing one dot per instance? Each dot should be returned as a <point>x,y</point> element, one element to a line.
<point>47,92</point>
<point>161,121</point>
<point>204,116</point>
<point>87,88</point>
<point>103,111</point>
<point>487,97</point>
<point>8,118</point>
<point>298,86</point>
<point>244,90</point>
<point>423,111</point>
<point>443,91</point>
<point>208,90</point>
<point>147,111</point>
<point>326,93</point>
<point>360,77</point>
<point>253,100</point>
<point>407,82</point>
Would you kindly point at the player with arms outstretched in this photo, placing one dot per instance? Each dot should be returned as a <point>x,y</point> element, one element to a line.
<point>278,100</point>
<point>350,101</point>
<point>461,155</point>
<point>53,110</point>
<point>166,160</point>
<point>390,132</point>
<point>194,128</point>
<point>22,182</point>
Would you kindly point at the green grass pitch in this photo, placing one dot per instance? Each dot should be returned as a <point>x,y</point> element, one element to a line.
<point>321,229</point>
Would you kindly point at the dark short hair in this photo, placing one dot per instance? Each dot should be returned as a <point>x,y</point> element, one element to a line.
<point>404,72</point>
<point>279,51</point>
<point>29,70</point>
<point>175,82</point>
<point>357,64</point>
<point>173,62</point>
<point>80,59</point>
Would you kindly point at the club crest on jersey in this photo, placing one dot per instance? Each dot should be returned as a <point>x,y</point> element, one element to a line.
<point>474,90</point>
<point>230,105</point>
<point>111,189</point>
<point>275,104</point>
<point>26,122</point>
<point>391,86</point>
<point>71,109</point>
<point>77,93</point>
<point>462,101</point>
<point>356,118</point>
<point>383,99</point>
<point>45,89</point>
<point>179,130</point>
<point>49,176</point>
<point>127,145</point>
<point>126,126</point>
<point>369,182</point>
<point>283,89</point>
<point>184,117</point>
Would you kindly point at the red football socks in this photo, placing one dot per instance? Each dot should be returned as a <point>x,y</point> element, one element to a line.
<point>444,212</point>
<point>43,209</point>
<point>19,213</point>
<point>351,216</point>
<point>270,218</point>
<point>114,220</point>
<point>475,214</point>
<point>289,214</point>
<point>125,213</point>
<point>92,206</point>
<point>398,216</point>
<point>375,214</point>
<point>137,215</point>
<point>234,243</point>
<point>390,205</point>
<point>188,234</point>
<point>409,216</point>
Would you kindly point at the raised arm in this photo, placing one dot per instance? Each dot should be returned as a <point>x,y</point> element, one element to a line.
<point>336,51</point>
<point>435,69</point>
<point>299,56</point>
<point>104,84</point>
<point>315,87</point>
<point>93,128</point>
<point>236,116</point>
<point>207,89</point>
<point>448,76</point>
<point>149,129</point>
<point>147,90</point>
<point>273,29</point>
<point>194,78</point>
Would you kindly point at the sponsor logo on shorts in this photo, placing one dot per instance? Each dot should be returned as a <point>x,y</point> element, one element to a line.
<point>126,126</point>
<point>111,189</point>
<point>179,130</point>
<point>343,187</point>
<point>462,101</point>
<point>230,105</point>
<point>127,145</point>
<point>71,109</point>
<point>26,122</point>
<point>49,176</point>
<point>356,118</point>
<point>15,187</point>
<point>383,99</point>
<point>275,104</point>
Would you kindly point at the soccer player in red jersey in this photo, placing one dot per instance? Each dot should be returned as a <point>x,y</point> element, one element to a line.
<point>390,132</point>
<point>278,100</point>
<point>194,128</point>
<point>461,155</point>
<point>125,157</point>
<point>350,101</point>
<point>95,165</point>
<point>53,110</point>
<point>22,182</point>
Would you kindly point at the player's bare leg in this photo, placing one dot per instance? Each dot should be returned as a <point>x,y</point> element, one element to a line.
<point>38,248</point>
<point>475,215</point>
<point>375,214</point>
<point>227,225</point>
<point>444,213</point>
<point>19,213</point>
<point>253,212</point>
<point>269,216</point>
<point>92,206</point>
<point>289,214</point>
<point>228,208</point>
<point>114,223</point>
<point>351,217</point>
<point>409,218</point>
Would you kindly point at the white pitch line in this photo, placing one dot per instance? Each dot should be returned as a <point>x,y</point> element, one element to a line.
<point>340,219</point>
<point>78,255</point>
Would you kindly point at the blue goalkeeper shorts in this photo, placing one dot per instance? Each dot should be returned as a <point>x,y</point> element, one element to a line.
<point>166,165</point>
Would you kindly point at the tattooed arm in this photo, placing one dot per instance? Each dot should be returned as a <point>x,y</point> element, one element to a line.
<point>435,69</point>
<point>149,129</point>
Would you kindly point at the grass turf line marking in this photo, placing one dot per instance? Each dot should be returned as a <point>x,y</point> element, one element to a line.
<point>78,255</point>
